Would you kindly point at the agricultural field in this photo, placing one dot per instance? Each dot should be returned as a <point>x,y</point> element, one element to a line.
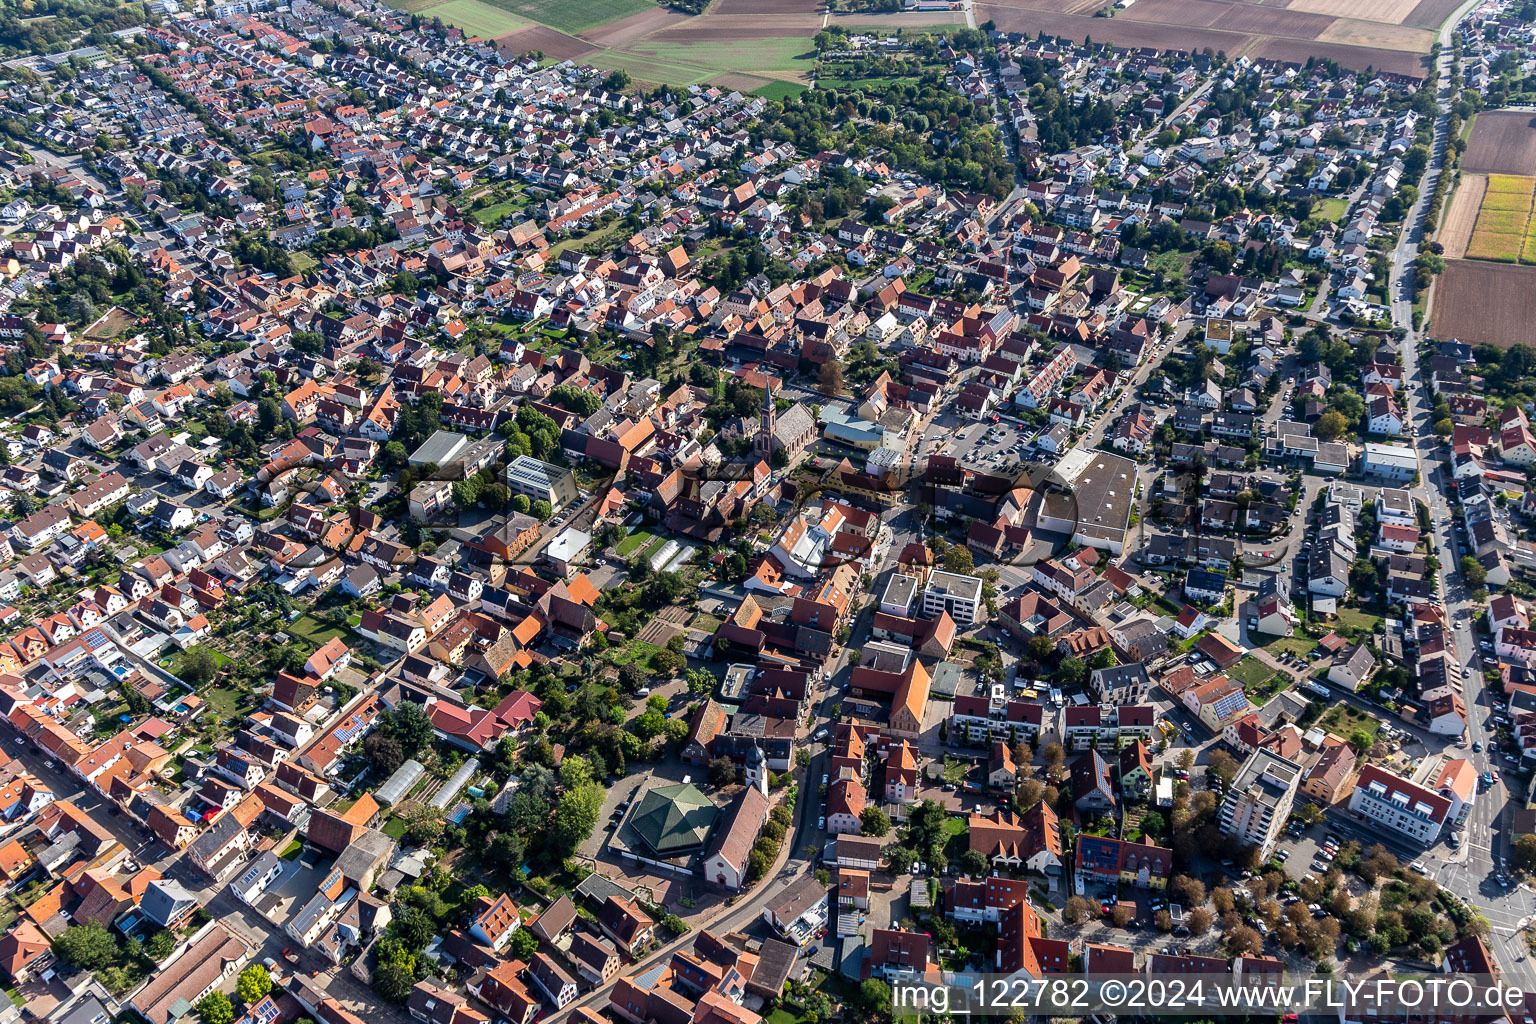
<point>779,91</point>
<point>477,17</point>
<point>704,59</point>
<point>1477,301</point>
<point>762,48</point>
<point>1391,35</point>
<point>1503,219</point>
<point>1502,142</point>
<point>1456,230</point>
<point>574,16</point>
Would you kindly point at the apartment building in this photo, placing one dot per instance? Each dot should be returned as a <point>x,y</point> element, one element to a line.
<point>1393,801</point>
<point>958,595</point>
<point>1260,800</point>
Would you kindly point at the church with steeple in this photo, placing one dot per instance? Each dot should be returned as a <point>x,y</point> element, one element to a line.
<point>791,433</point>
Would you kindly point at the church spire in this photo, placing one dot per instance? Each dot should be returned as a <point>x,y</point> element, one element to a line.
<point>766,420</point>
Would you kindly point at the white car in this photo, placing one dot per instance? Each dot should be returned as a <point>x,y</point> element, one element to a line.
<point>821,822</point>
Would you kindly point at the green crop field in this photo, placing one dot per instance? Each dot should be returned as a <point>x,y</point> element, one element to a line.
<point>1504,227</point>
<point>779,91</point>
<point>573,15</point>
<point>476,17</point>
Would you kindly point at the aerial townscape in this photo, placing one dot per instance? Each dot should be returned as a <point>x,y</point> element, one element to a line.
<point>590,511</point>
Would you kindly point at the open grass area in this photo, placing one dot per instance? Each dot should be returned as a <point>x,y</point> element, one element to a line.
<point>312,629</point>
<point>1250,671</point>
<point>1332,209</point>
<point>778,90</point>
<point>1356,621</point>
<point>571,15</point>
<point>225,702</point>
<point>629,545</point>
<point>636,651</point>
<point>478,18</point>
<point>1341,720</point>
<point>954,771</point>
<point>302,261</point>
<point>492,216</point>
<point>395,828</point>
<point>1260,682</point>
<point>1298,645</point>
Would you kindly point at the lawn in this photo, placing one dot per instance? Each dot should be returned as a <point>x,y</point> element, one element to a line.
<point>637,651</point>
<point>1341,720</point>
<point>312,629</point>
<point>224,701</point>
<point>1260,682</point>
<point>1331,209</point>
<point>571,15</point>
<point>1298,645</point>
<point>954,771</point>
<point>633,542</point>
<point>479,18</point>
<point>395,828</point>
<point>302,261</point>
<point>1170,262</point>
<point>778,91</point>
<point>492,216</point>
<point>1357,620</point>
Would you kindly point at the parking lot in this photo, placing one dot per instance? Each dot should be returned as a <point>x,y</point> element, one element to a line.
<point>1299,852</point>
<point>983,445</point>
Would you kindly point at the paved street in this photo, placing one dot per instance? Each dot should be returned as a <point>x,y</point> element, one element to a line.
<point>1485,839</point>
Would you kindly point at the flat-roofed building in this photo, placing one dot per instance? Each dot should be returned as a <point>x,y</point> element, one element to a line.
<point>1097,511</point>
<point>1260,799</point>
<point>958,595</point>
<point>540,481</point>
<point>1390,461</point>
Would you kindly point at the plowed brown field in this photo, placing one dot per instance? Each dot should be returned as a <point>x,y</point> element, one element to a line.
<point>1456,232</point>
<point>1502,142</point>
<point>1477,302</point>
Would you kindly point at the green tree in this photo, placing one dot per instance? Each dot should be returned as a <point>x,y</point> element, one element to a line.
<point>160,945</point>
<point>199,665</point>
<point>409,725</point>
<point>875,997</point>
<point>395,974</point>
<point>1474,572</point>
<point>254,983</point>
<point>89,947</point>
<point>576,815</point>
<point>973,863</point>
<point>958,560</point>
<point>215,1008</point>
<point>524,944</point>
<point>540,510</point>
<point>1331,425</point>
<point>874,821</point>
